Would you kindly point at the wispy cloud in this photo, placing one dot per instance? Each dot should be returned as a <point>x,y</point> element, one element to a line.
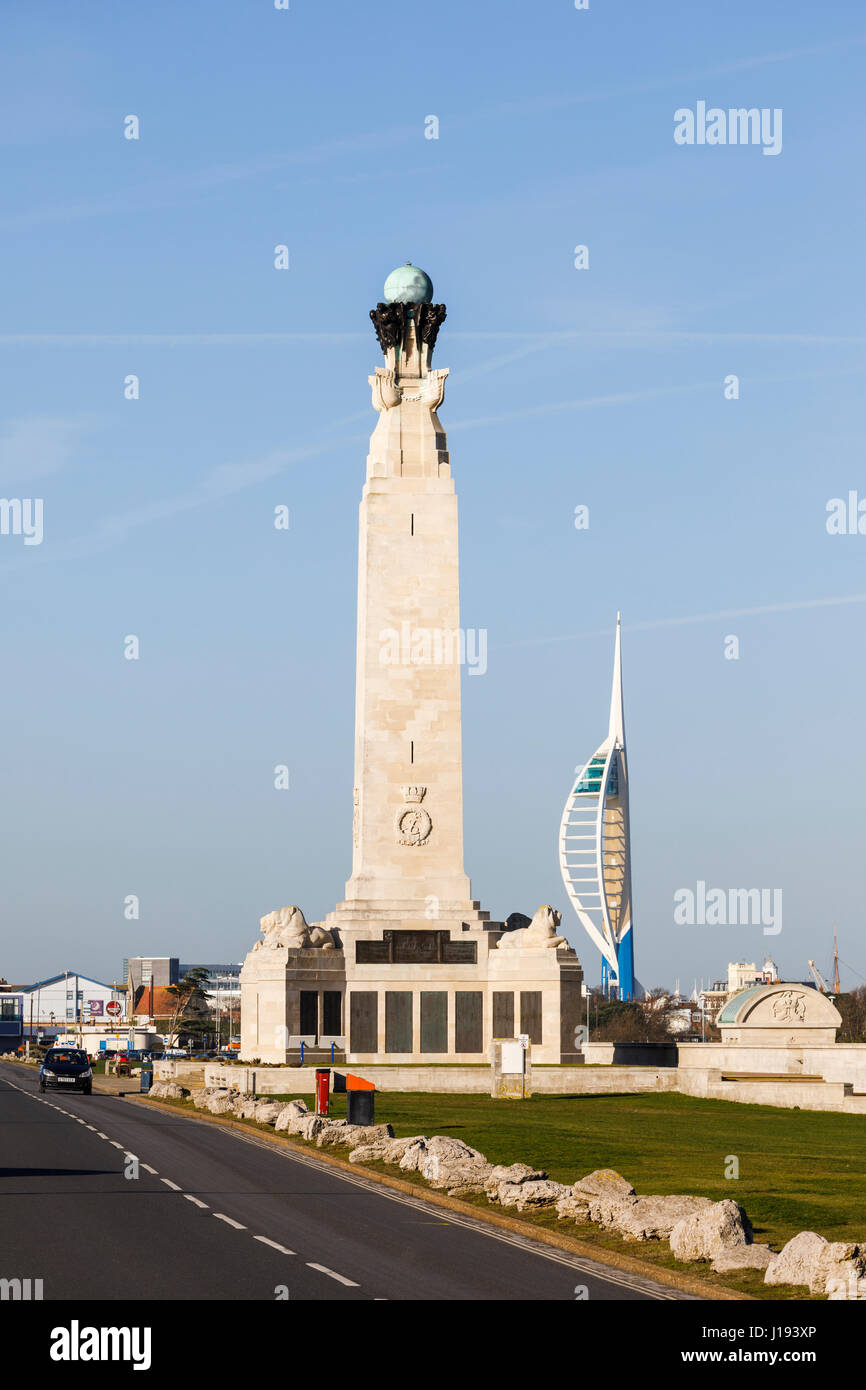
<point>535,338</point>
<point>792,606</point>
<point>630,397</point>
<point>35,446</point>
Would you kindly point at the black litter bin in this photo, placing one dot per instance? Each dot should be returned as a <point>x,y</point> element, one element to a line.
<point>359,1107</point>
<point>146,1079</point>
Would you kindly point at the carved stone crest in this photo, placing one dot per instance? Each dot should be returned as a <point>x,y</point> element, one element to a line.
<point>413,823</point>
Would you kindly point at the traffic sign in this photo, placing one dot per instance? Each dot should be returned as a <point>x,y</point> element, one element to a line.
<point>114,1008</point>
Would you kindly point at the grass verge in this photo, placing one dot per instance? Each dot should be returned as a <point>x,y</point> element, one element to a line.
<point>799,1170</point>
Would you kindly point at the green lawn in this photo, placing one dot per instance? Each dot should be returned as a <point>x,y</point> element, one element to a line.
<point>799,1169</point>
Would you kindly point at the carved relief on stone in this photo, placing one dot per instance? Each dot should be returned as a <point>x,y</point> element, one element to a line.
<point>412,823</point>
<point>431,393</point>
<point>386,392</point>
<point>788,1006</point>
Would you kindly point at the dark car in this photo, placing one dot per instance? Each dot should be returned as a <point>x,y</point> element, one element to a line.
<point>66,1069</point>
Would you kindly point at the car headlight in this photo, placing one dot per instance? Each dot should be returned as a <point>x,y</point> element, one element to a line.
<point>46,1072</point>
<point>87,1073</point>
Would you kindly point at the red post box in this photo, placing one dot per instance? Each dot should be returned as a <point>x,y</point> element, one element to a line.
<point>323,1082</point>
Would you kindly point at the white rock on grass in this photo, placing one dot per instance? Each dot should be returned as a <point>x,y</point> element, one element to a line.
<point>572,1208</point>
<point>168,1090</point>
<point>267,1111</point>
<point>604,1182</point>
<point>845,1288</point>
<point>796,1261</point>
<point>449,1163</point>
<point>412,1152</point>
<point>836,1268</point>
<point>514,1173</point>
<point>531,1195</point>
<point>368,1153</point>
<point>291,1115</point>
<point>840,1262</point>
<point>505,1178</point>
<point>220,1105</point>
<point>350,1136</point>
<point>311,1127</point>
<point>606,1193</point>
<point>743,1257</point>
<point>396,1148</point>
<point>706,1234</point>
<point>653,1218</point>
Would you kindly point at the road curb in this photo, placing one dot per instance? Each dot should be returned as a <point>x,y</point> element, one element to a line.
<point>627,1264</point>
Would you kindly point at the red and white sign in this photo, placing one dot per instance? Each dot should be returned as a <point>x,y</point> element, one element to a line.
<point>113,1008</point>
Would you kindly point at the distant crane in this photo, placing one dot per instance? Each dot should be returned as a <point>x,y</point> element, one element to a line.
<point>818,977</point>
<point>836,985</point>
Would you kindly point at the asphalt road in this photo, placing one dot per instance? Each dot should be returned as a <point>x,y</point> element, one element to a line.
<point>215,1214</point>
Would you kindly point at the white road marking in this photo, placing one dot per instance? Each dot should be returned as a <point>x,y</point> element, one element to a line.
<point>228,1220</point>
<point>273,1244</point>
<point>114,1144</point>
<point>147,1168</point>
<point>332,1274</point>
<point>189,1197</point>
<point>93,1127</point>
<point>173,1185</point>
<point>597,1271</point>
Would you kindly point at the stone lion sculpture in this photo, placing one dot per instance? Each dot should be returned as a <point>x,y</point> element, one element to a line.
<point>287,929</point>
<point>539,935</point>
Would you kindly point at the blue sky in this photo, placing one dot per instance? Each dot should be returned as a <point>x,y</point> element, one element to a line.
<point>601,387</point>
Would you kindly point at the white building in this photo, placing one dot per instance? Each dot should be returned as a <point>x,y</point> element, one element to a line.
<point>65,1003</point>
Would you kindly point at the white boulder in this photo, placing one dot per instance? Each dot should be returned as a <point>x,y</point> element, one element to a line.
<point>706,1233</point>
<point>604,1182</point>
<point>397,1148</point>
<point>350,1136</point>
<point>267,1111</point>
<point>742,1257</point>
<point>291,1116</point>
<point>571,1208</point>
<point>837,1268</point>
<point>220,1104</point>
<point>369,1153</point>
<point>653,1218</point>
<point>449,1163</point>
<point>531,1195</point>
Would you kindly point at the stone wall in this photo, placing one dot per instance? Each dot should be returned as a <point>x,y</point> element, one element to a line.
<point>464,1080</point>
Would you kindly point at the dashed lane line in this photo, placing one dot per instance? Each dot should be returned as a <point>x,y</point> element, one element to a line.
<point>219,1216</point>
<point>189,1197</point>
<point>332,1274</point>
<point>576,1262</point>
<point>173,1185</point>
<point>274,1245</point>
<point>147,1168</point>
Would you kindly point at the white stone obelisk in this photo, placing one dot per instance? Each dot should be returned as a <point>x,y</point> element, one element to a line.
<point>408,814</point>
